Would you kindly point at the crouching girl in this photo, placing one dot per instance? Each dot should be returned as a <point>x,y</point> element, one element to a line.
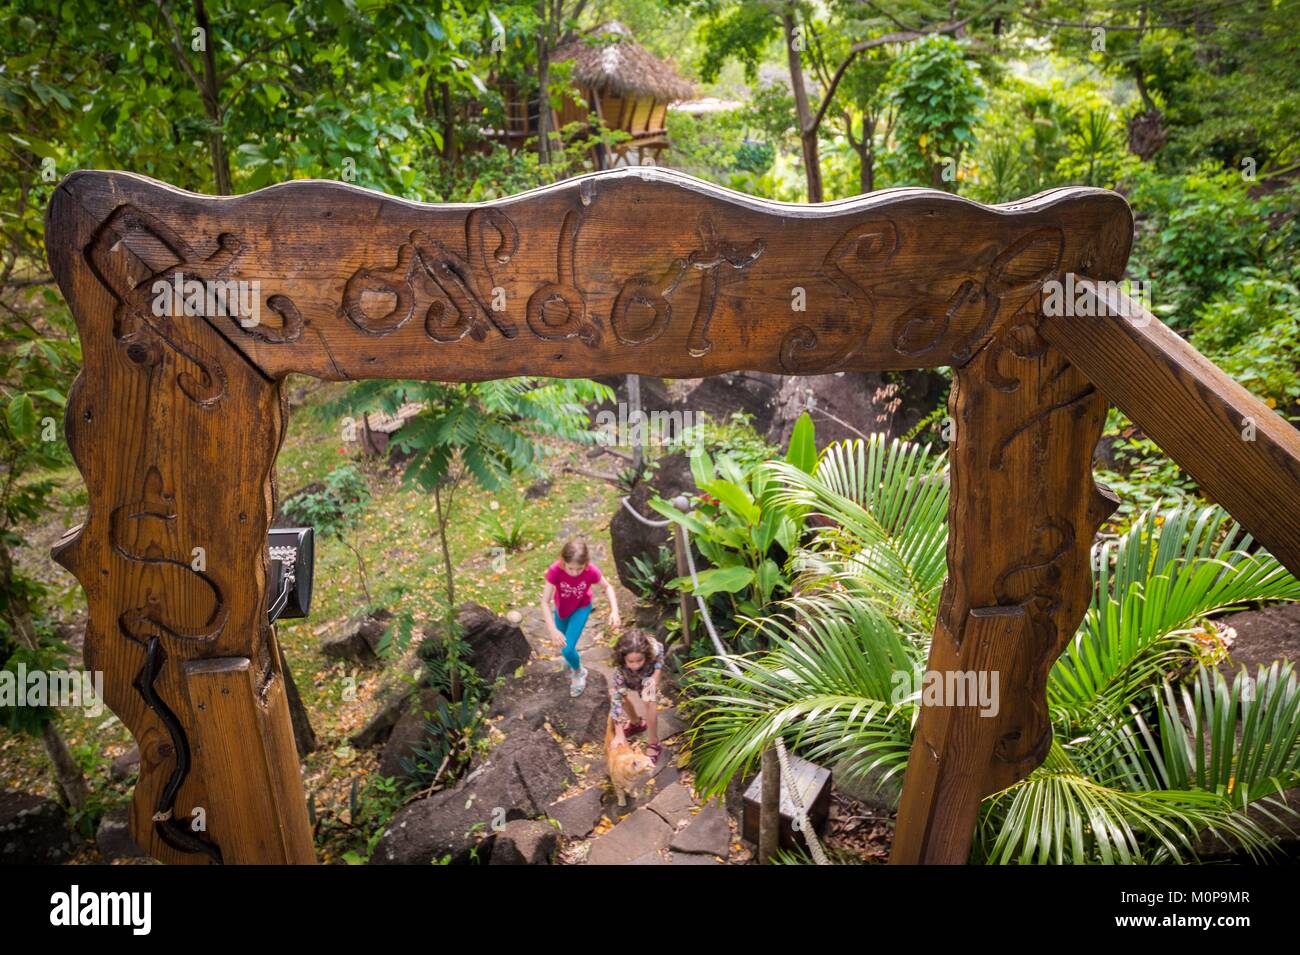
<point>634,691</point>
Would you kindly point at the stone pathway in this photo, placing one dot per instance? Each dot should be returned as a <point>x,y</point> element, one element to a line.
<point>666,824</point>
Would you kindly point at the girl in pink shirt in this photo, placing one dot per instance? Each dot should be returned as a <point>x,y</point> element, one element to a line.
<point>566,605</point>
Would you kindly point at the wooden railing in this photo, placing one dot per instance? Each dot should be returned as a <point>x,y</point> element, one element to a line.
<point>176,419</point>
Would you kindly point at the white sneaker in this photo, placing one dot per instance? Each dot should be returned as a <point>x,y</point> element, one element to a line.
<point>578,683</point>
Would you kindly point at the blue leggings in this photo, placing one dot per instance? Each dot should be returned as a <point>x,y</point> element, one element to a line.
<point>571,626</point>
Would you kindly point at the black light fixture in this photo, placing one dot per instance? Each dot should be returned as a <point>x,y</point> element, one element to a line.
<point>293,556</point>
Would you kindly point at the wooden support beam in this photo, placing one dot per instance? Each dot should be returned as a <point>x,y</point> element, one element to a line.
<point>1022,512</point>
<point>243,743</point>
<point>947,774</point>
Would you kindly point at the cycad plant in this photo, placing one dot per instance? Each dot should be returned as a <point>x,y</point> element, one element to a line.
<point>1156,752</point>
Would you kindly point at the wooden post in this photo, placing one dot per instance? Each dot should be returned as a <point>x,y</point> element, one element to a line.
<point>1019,580</point>
<point>634,415</point>
<point>680,543</point>
<point>176,435</point>
<point>769,816</point>
<point>255,813</point>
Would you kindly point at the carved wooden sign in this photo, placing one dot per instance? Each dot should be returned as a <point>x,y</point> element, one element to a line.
<point>193,308</point>
<point>582,277</point>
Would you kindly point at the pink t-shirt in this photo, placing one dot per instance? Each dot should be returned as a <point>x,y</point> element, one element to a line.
<point>572,593</point>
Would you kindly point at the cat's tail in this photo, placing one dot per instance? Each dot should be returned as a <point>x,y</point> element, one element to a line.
<point>609,731</point>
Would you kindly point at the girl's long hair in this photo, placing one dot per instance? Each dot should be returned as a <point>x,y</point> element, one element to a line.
<point>635,641</point>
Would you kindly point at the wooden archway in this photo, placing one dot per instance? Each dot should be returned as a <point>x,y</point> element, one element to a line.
<point>175,422</point>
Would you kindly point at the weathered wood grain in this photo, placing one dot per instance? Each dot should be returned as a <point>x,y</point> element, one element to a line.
<point>240,744</point>
<point>948,771</point>
<point>1240,451</point>
<point>1022,513</point>
<point>176,435</point>
<point>615,272</point>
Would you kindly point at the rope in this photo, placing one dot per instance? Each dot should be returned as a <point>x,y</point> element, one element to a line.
<point>644,520</point>
<point>787,777</point>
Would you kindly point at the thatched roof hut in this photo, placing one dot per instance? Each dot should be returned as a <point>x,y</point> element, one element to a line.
<point>606,59</point>
<point>620,81</point>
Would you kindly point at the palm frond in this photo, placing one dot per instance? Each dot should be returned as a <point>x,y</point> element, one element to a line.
<point>1239,739</point>
<point>1059,814</point>
<point>1171,569</point>
<point>888,504</point>
<point>835,685</point>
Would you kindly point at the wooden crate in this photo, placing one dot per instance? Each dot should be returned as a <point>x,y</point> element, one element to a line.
<point>812,782</point>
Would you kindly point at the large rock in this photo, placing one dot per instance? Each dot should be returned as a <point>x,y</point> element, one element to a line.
<point>379,727</point>
<point>533,768</point>
<point>408,733</point>
<point>847,405</point>
<point>125,766</point>
<point>872,789</point>
<point>1278,823</point>
<point>720,396</point>
<point>707,834</point>
<point>452,825</point>
<point>541,695</point>
<point>629,537</point>
<point>114,839</point>
<point>518,779</point>
<point>399,683</point>
<point>356,639</point>
<point>642,834</point>
<point>498,647</point>
<point>525,842</point>
<point>579,814</point>
<point>673,805</point>
<point>33,830</point>
<point>1262,636</point>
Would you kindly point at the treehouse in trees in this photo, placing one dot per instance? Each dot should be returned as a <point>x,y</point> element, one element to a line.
<point>618,80</point>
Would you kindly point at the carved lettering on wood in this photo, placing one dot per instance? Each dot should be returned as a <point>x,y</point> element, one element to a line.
<point>848,265</point>
<point>1013,276</point>
<point>131,253</point>
<point>465,282</point>
<point>653,294</point>
<point>558,310</point>
<point>145,531</point>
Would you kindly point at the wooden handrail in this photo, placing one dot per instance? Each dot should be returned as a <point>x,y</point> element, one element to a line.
<point>1241,452</point>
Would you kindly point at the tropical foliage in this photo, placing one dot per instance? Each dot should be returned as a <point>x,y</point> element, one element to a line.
<point>1155,748</point>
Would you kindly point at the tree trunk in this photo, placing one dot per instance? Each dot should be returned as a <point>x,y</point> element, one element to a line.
<point>211,95</point>
<point>807,131</point>
<point>66,769</point>
<point>450,144</point>
<point>867,163</point>
<point>769,811</point>
<point>543,81</point>
<point>634,406</point>
<point>453,672</point>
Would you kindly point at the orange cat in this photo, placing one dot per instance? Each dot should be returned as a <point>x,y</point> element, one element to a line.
<point>628,766</point>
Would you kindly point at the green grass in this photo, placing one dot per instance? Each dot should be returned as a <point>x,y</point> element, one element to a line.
<point>398,541</point>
